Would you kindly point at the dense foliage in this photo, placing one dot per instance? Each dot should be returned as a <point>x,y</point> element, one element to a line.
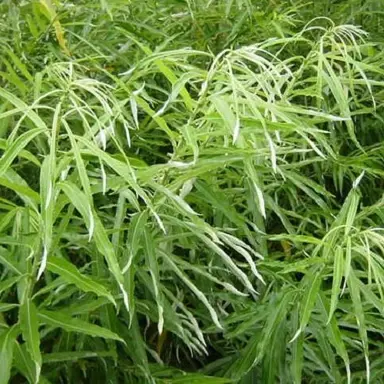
<point>191,191</point>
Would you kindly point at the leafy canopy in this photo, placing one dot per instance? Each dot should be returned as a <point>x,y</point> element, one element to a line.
<point>191,191</point>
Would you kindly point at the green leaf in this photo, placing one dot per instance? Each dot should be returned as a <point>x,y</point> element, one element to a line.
<point>20,65</point>
<point>7,307</point>
<point>359,313</point>
<point>95,226</point>
<point>71,275</point>
<point>151,260</point>
<point>311,288</point>
<point>14,149</point>
<point>336,337</point>
<point>200,295</point>
<point>24,364</point>
<point>297,352</point>
<point>23,107</point>
<point>29,324</point>
<point>337,277</point>
<point>23,154</point>
<point>259,344</point>
<point>58,357</point>
<point>71,324</point>
<point>8,283</point>
<point>80,202</point>
<point>7,344</point>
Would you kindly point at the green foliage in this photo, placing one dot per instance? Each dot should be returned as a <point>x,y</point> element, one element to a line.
<point>191,191</point>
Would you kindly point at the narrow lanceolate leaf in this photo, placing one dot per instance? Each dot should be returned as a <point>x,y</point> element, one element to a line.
<point>348,260</point>
<point>80,202</point>
<point>80,165</point>
<point>17,184</point>
<point>71,324</point>
<point>254,181</point>
<point>7,307</point>
<point>227,115</point>
<point>69,273</point>
<point>24,363</point>
<point>134,242</point>
<point>135,234</point>
<point>336,339</point>
<point>180,203</point>
<point>48,191</point>
<point>200,295</point>
<point>106,248</point>
<point>58,357</point>
<point>23,154</point>
<point>23,107</point>
<point>354,288</point>
<point>43,262</point>
<point>311,291</point>
<point>151,259</point>
<point>124,169</point>
<point>242,276</point>
<point>94,224</point>
<point>7,343</point>
<point>297,352</point>
<point>8,283</point>
<point>29,324</point>
<point>336,87</point>
<point>338,265</point>
<point>16,147</point>
<point>353,203</point>
<point>259,345</point>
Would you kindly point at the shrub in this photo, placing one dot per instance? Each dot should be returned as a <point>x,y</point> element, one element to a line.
<point>191,191</point>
